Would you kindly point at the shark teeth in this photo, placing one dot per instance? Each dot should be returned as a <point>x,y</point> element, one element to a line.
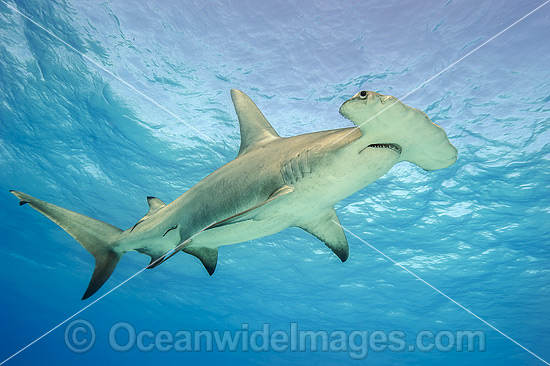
<point>393,147</point>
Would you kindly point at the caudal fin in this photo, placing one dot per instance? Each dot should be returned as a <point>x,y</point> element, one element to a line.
<point>96,236</point>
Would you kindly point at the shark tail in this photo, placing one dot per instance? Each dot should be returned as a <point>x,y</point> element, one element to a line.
<point>98,237</point>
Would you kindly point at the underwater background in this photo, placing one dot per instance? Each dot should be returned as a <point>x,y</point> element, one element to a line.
<point>136,103</point>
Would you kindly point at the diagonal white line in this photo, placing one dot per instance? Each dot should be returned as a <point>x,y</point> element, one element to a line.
<point>442,293</point>
<point>108,71</point>
<point>447,68</point>
<point>92,303</point>
<point>69,318</point>
<point>175,116</point>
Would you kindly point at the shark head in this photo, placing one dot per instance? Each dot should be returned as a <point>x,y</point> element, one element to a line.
<point>388,123</point>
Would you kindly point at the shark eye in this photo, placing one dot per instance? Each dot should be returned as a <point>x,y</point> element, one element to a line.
<point>172,228</point>
<point>363,94</point>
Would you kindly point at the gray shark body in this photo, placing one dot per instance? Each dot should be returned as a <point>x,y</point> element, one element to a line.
<point>274,183</point>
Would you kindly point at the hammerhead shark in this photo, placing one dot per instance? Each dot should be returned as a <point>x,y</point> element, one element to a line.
<point>273,183</point>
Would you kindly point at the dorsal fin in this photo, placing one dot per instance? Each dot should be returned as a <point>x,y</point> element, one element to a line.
<point>155,204</point>
<point>255,128</point>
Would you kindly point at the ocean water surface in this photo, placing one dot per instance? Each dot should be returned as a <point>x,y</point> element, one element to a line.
<point>103,103</point>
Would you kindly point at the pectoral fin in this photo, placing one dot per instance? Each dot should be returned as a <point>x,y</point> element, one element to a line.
<point>323,227</point>
<point>209,256</point>
<point>253,211</point>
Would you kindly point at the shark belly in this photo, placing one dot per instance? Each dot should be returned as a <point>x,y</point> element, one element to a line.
<point>342,175</point>
<point>320,189</point>
<point>239,232</point>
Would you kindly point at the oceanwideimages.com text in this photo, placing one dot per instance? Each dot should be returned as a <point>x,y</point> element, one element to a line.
<point>80,337</point>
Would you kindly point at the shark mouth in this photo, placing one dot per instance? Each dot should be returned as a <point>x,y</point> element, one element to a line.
<point>393,147</point>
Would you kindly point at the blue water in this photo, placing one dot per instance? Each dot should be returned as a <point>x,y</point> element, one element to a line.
<point>77,136</point>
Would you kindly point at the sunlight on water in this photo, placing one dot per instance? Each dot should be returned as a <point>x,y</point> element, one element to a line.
<point>76,136</point>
